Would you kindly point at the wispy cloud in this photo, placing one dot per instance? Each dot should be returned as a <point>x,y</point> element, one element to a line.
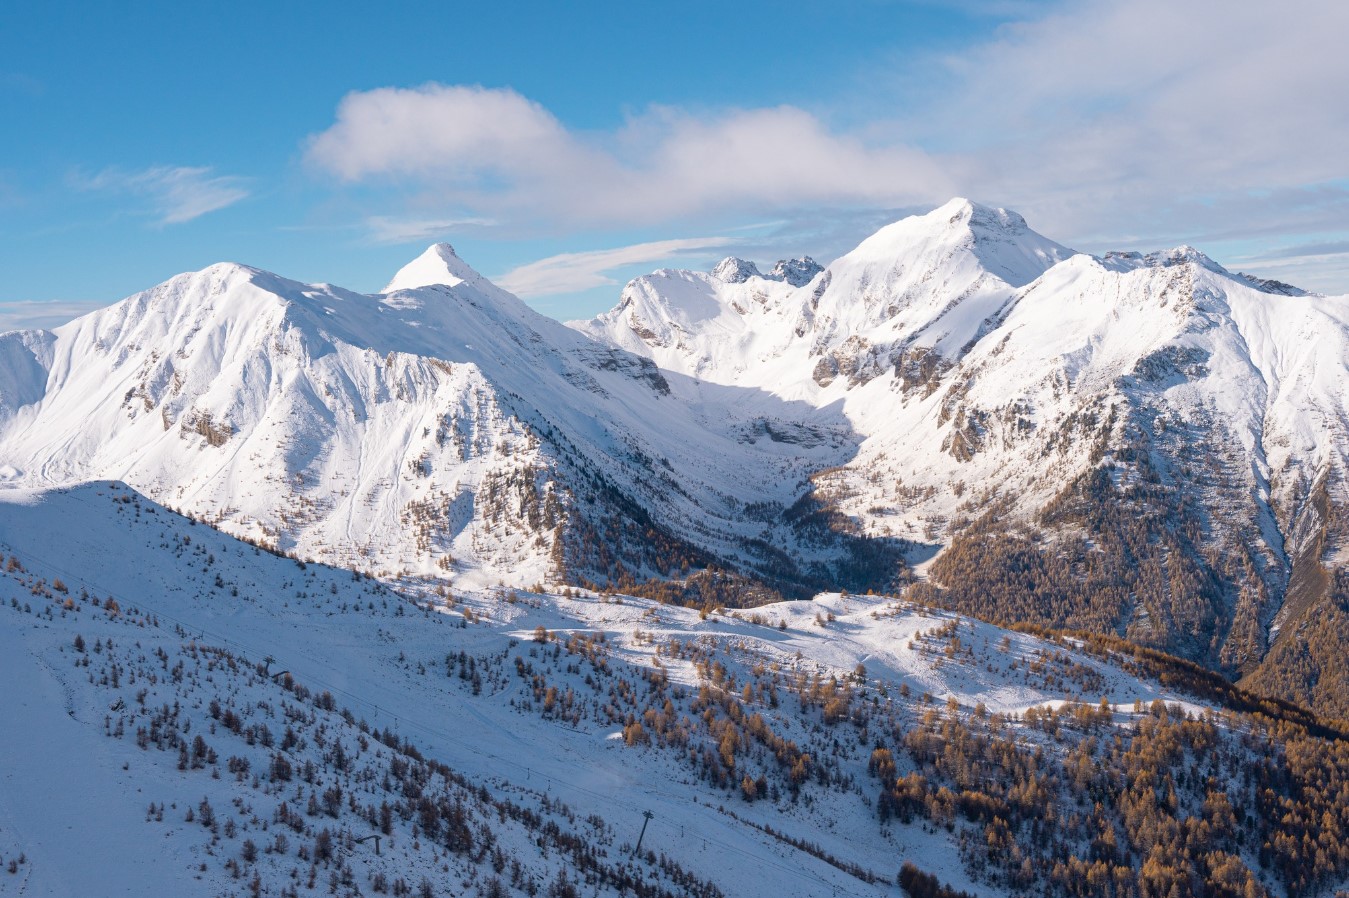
<point>38,314</point>
<point>1303,250</point>
<point>574,272</point>
<point>175,194</point>
<point>1328,274</point>
<point>395,229</point>
<point>1322,266</point>
<point>1110,118</point>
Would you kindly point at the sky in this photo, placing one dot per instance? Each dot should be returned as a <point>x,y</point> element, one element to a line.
<point>565,148</point>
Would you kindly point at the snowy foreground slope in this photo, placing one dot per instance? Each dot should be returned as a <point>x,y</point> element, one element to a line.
<point>187,714</point>
<point>1155,444</point>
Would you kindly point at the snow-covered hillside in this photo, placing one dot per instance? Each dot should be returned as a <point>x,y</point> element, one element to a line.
<point>188,714</point>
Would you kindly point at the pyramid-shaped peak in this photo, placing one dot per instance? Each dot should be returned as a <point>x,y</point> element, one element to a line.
<point>955,207</point>
<point>440,264</point>
<point>957,219</point>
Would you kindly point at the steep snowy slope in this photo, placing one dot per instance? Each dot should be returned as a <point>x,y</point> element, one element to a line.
<point>440,426</point>
<point>307,710</point>
<point>190,715</point>
<point>1138,444</point>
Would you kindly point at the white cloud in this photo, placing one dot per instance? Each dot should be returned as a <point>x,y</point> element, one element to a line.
<point>574,272</point>
<point>176,194</point>
<point>31,313</point>
<point>455,132</point>
<point>1147,117</point>
<point>499,155</point>
<point>1321,271</point>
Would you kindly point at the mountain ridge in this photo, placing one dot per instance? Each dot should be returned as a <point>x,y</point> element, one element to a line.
<point>410,429</point>
<point>1152,446</point>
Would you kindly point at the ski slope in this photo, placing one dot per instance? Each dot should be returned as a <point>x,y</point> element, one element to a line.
<point>73,791</point>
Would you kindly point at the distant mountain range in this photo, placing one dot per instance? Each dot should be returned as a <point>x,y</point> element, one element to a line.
<point>1150,446</point>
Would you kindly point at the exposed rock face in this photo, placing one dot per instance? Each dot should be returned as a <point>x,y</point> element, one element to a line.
<point>797,272</point>
<point>735,271</point>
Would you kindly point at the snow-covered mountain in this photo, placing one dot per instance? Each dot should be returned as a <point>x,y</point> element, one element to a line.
<point>1144,444</point>
<point>440,426</point>
<point>926,281</point>
<point>1140,446</point>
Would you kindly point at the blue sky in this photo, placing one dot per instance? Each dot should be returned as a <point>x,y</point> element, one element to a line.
<point>563,150</point>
